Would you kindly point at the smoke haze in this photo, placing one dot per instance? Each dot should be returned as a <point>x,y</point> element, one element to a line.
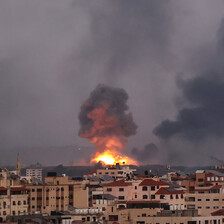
<point>54,53</point>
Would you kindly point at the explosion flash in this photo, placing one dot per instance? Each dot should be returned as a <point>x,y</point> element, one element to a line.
<point>104,122</point>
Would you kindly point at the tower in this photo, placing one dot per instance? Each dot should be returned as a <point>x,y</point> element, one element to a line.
<point>18,165</point>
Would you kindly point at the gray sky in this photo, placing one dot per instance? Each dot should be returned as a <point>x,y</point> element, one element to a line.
<point>54,53</point>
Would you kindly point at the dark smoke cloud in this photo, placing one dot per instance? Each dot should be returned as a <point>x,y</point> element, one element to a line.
<point>148,154</point>
<point>53,53</point>
<point>109,106</point>
<point>205,94</point>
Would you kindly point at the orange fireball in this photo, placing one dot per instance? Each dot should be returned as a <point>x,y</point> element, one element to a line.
<point>112,157</point>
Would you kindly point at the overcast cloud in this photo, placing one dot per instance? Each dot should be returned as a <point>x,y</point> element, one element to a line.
<point>54,53</point>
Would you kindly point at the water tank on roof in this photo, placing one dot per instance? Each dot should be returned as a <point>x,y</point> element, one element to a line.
<point>51,174</point>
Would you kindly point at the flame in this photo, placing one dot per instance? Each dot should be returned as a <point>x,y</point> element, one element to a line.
<point>111,154</point>
<point>112,158</point>
<point>107,134</point>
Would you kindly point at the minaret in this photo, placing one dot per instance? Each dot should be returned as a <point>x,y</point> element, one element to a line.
<point>18,165</point>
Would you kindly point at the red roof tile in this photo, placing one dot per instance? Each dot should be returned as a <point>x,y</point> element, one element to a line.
<point>151,182</point>
<point>209,175</point>
<point>218,212</point>
<point>91,172</point>
<point>118,184</point>
<point>18,189</point>
<point>216,187</point>
<point>3,189</point>
<point>165,191</point>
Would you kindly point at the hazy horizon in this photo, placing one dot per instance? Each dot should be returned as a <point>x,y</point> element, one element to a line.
<point>167,55</point>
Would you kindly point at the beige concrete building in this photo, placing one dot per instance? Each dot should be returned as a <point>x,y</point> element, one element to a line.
<point>13,201</point>
<point>117,172</point>
<point>57,194</point>
<point>153,214</point>
<point>13,197</point>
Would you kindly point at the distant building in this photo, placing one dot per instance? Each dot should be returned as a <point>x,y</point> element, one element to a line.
<point>37,173</point>
<point>13,196</point>
<point>18,165</point>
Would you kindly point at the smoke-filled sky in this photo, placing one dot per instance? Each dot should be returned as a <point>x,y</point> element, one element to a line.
<point>166,54</point>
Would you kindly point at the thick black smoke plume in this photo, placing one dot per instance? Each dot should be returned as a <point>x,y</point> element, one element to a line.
<point>148,154</point>
<point>104,114</point>
<point>205,118</point>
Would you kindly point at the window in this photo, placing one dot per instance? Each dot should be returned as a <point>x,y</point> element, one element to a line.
<point>136,196</point>
<point>112,172</point>
<point>182,196</point>
<point>199,207</point>
<point>145,196</point>
<point>207,199</point>
<point>199,199</point>
<point>33,206</point>
<point>153,196</point>
<point>109,189</point>
<point>88,219</point>
<point>24,202</point>
<point>120,172</point>
<point>135,187</point>
<point>4,212</point>
<point>171,196</point>
<point>162,196</point>
<point>106,173</point>
<point>121,197</point>
<point>201,192</point>
<point>216,207</point>
<point>153,188</point>
<point>19,202</point>
<point>33,190</point>
<point>200,180</point>
<point>144,188</point>
<point>113,217</point>
<point>121,189</point>
<point>144,215</point>
<point>207,207</point>
<point>14,203</point>
<point>33,199</point>
<point>215,199</point>
<point>13,213</point>
<point>177,196</point>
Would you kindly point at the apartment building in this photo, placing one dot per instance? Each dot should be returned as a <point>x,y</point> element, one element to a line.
<point>142,212</point>
<point>36,173</point>
<point>13,196</point>
<point>117,172</point>
<point>204,191</point>
<point>134,189</point>
<point>56,194</point>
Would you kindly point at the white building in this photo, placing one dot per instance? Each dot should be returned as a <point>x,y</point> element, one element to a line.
<point>37,173</point>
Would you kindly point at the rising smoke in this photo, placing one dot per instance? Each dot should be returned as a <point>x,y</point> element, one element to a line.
<point>104,115</point>
<point>205,94</point>
<point>148,154</point>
